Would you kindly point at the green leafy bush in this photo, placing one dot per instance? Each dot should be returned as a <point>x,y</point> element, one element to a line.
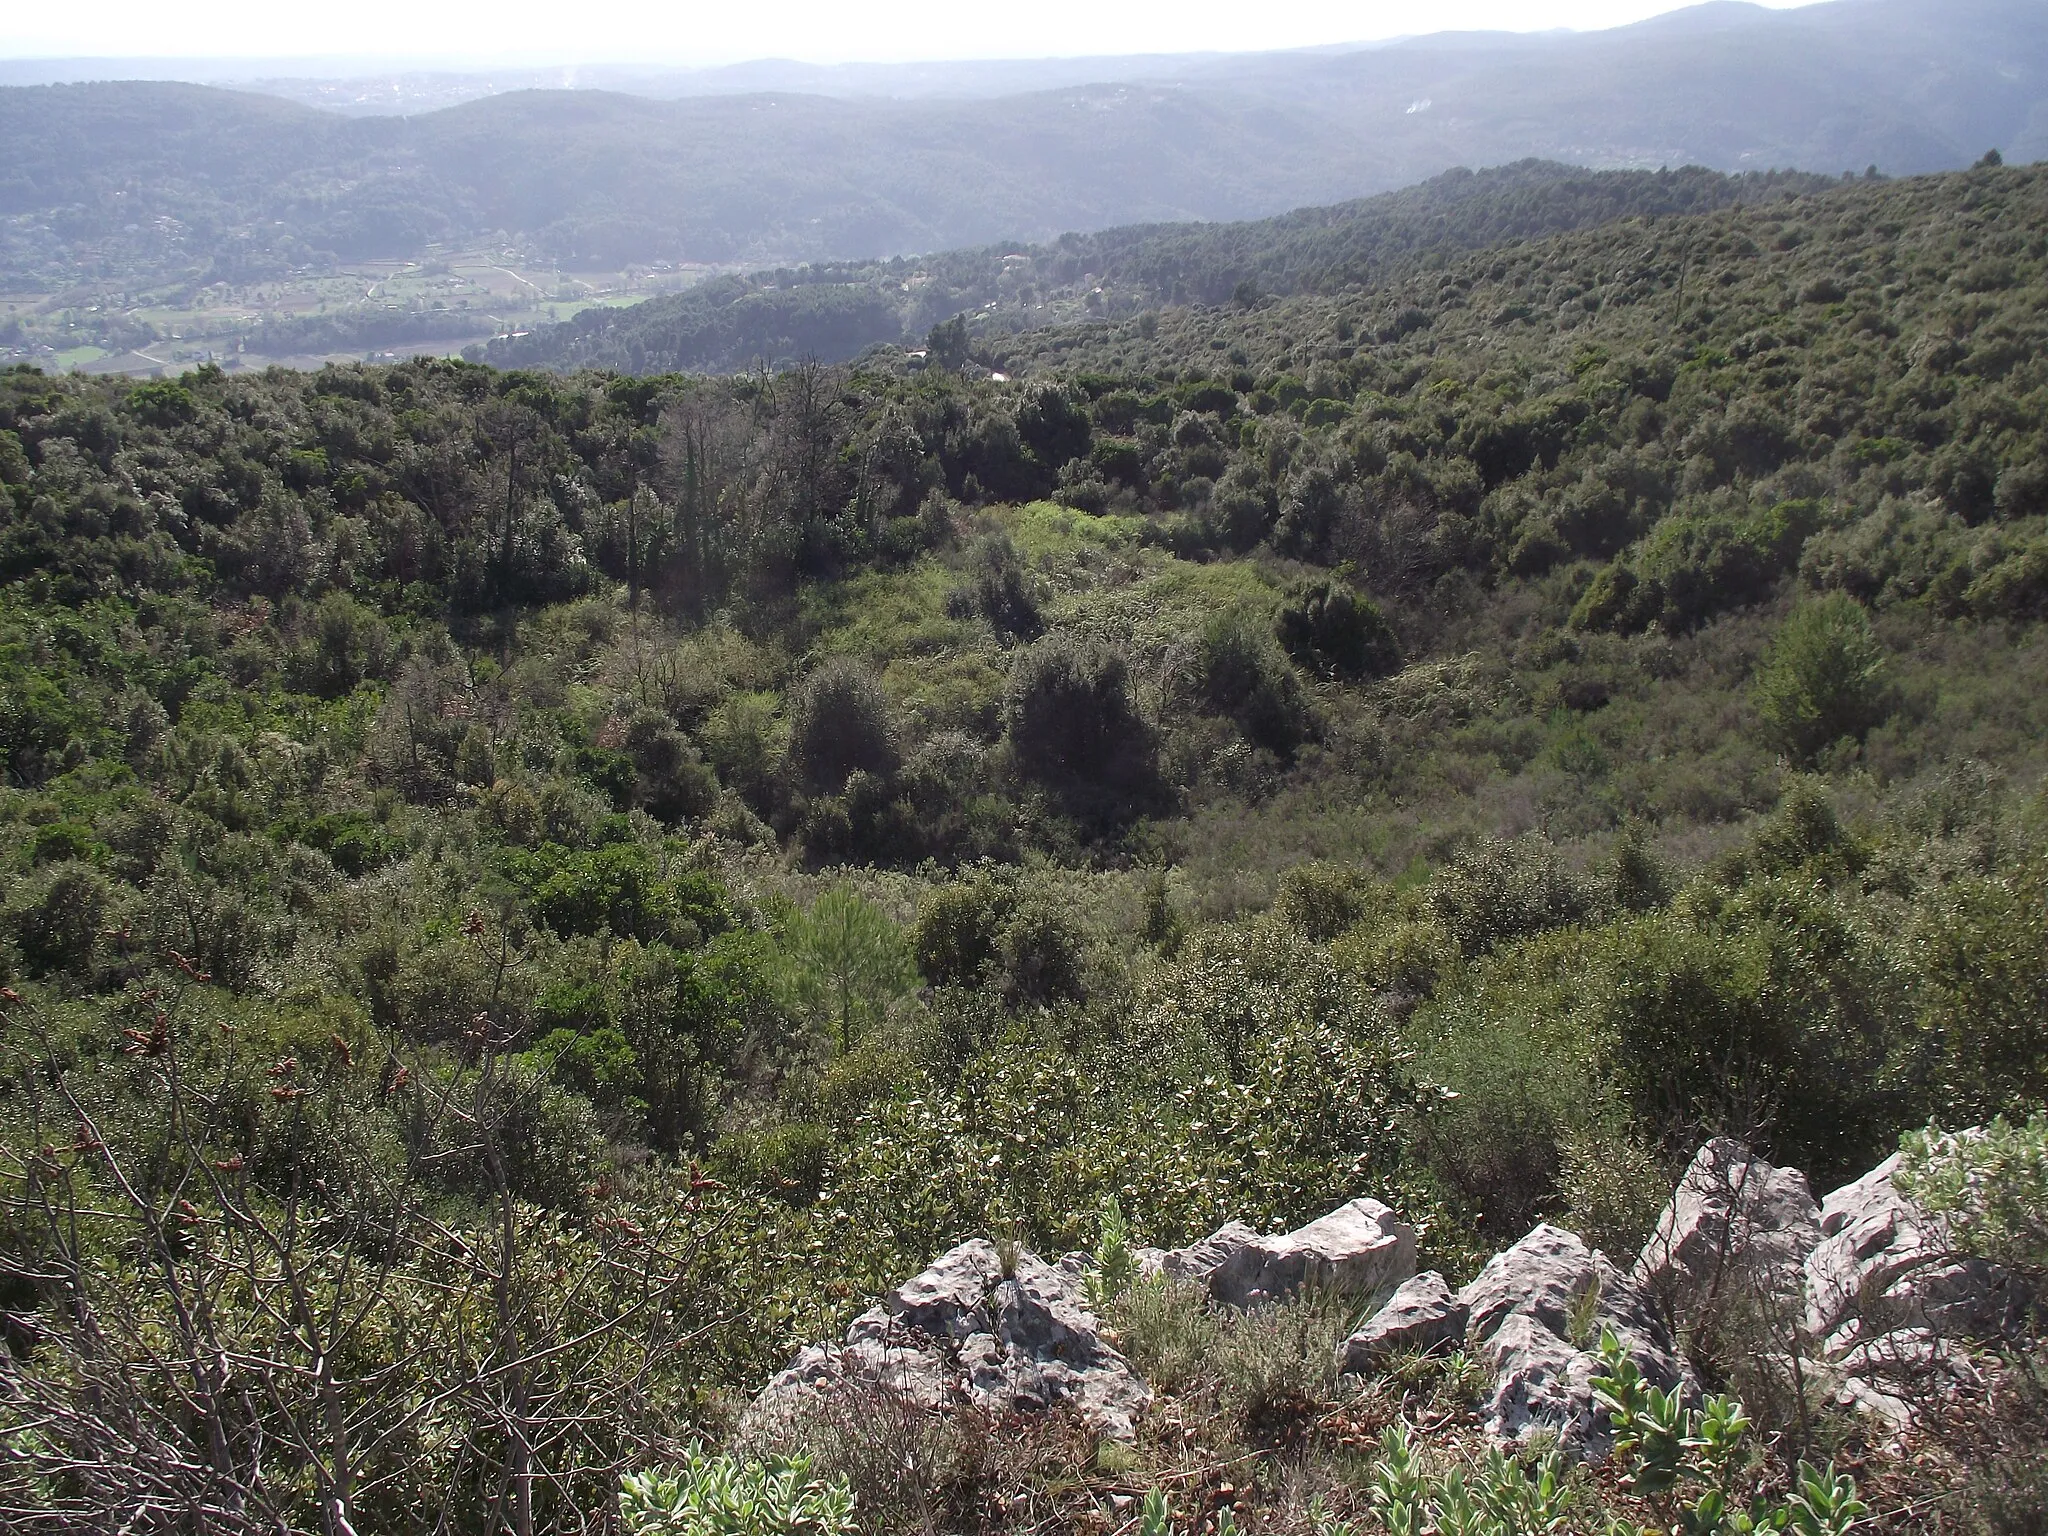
<point>840,724</point>
<point>1990,1185</point>
<point>1246,677</point>
<point>708,1494</point>
<point>1070,716</point>
<point>1822,679</point>
<point>1328,626</point>
<point>1687,1462</point>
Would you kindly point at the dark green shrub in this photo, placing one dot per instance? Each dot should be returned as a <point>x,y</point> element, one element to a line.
<point>1527,1078</point>
<point>356,843</point>
<point>58,841</point>
<point>1695,565</point>
<point>739,739</point>
<point>618,890</point>
<point>58,918</point>
<point>1328,626</point>
<point>1119,460</point>
<point>999,589</point>
<point>1983,944</point>
<point>1499,891</point>
<point>2016,587</point>
<point>671,780</point>
<point>599,1064</point>
<point>1070,717</point>
<point>1053,421</point>
<point>1245,677</point>
<point>1043,953</point>
<point>1322,900</point>
<point>553,1143</point>
<point>1777,1021</point>
<point>349,644</point>
<point>958,935</point>
<point>840,724</point>
<point>1822,678</point>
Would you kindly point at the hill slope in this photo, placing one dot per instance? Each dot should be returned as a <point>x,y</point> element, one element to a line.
<point>578,881</point>
<point>602,178</point>
<point>832,311</point>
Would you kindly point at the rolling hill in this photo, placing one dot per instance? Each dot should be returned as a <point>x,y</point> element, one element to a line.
<point>157,179</point>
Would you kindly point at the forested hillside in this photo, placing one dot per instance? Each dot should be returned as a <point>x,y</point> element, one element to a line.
<point>832,311</point>
<point>531,895</point>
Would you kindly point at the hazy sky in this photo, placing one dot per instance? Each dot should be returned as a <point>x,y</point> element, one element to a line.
<point>722,31</point>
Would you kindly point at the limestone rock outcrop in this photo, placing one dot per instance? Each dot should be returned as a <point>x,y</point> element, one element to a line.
<point>1736,1230</point>
<point>1866,1286</point>
<point>1535,1315</point>
<point>1360,1249</point>
<point>963,1332</point>
<point>1421,1315</point>
<point>1889,1301</point>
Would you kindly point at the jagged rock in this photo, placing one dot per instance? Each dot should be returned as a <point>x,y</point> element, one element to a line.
<point>1195,1263</point>
<point>1541,1381</point>
<point>1736,1228</point>
<point>945,1300</point>
<point>1894,1376</point>
<point>1045,1351</point>
<point>963,1332</point>
<point>1421,1315</point>
<point>1888,1297</point>
<point>1361,1249</point>
<point>1884,1264</point>
<point>1535,1315</point>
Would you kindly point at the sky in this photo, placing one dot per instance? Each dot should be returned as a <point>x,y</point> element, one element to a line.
<point>695,32</point>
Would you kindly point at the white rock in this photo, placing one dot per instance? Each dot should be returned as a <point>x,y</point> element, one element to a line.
<point>1883,1264</point>
<point>1422,1314</point>
<point>963,1332</point>
<point>1535,1315</point>
<point>1360,1249</point>
<point>1736,1228</point>
<point>1888,1297</point>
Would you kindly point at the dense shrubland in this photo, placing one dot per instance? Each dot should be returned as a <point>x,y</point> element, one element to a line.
<point>528,896</point>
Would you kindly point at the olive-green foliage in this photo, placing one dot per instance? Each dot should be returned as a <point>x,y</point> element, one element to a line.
<point>990,928</point>
<point>1169,1331</point>
<point>1328,626</point>
<point>1322,900</point>
<point>957,939</point>
<point>1043,951</point>
<point>1697,564</point>
<point>1613,1188</point>
<point>999,589</point>
<point>1823,678</point>
<point>671,778</point>
<point>840,725</point>
<point>1992,1186</point>
<point>1245,676</point>
<point>1984,945</point>
<point>618,890</point>
<point>1501,891</point>
<point>1070,717</point>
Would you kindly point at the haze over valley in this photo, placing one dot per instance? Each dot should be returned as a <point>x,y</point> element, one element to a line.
<point>191,220</point>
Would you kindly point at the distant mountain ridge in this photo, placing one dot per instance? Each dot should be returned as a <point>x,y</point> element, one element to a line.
<point>195,178</point>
